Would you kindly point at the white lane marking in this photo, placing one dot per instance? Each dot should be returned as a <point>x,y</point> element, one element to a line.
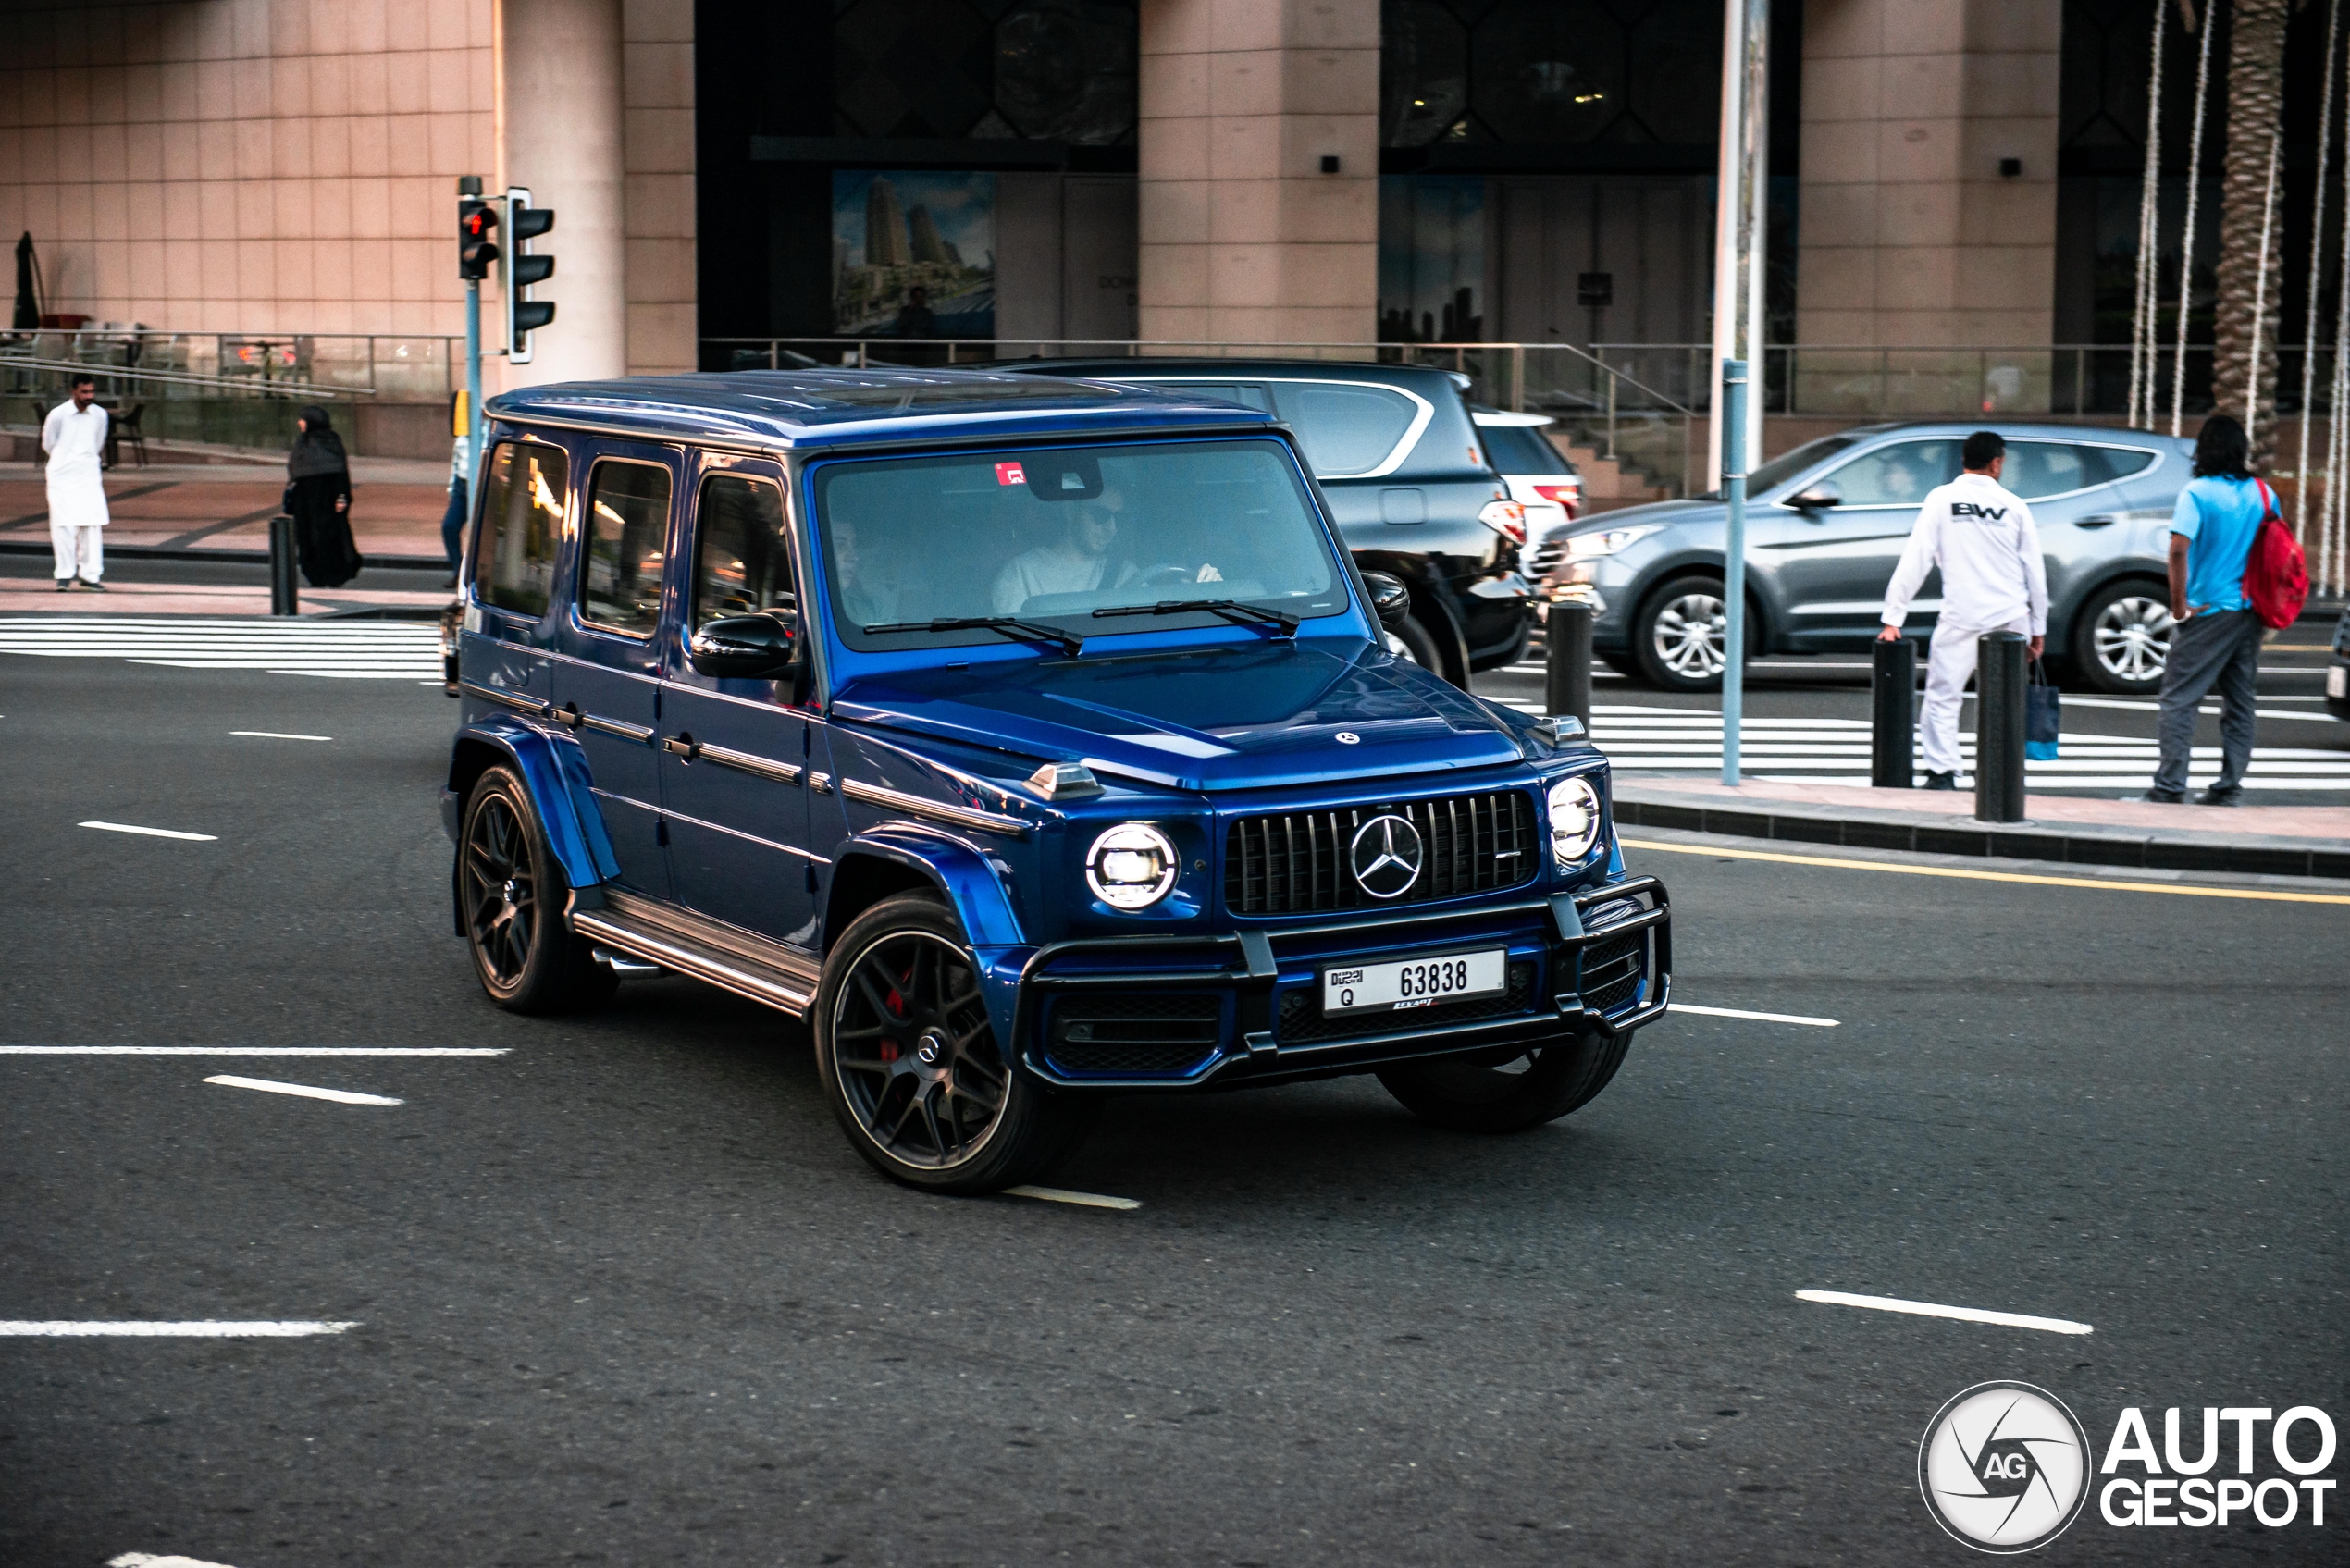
<point>1764,1017</point>
<point>253,1050</point>
<point>148,1560</point>
<point>1964,1314</point>
<point>152,833</point>
<point>295,1328</point>
<point>1060,1196</point>
<point>271,1086</point>
<point>277,734</point>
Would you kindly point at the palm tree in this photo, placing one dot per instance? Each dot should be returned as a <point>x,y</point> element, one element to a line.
<point>2252,225</point>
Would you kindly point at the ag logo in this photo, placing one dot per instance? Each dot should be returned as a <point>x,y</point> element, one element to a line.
<point>1386,857</point>
<point>2004,1467</point>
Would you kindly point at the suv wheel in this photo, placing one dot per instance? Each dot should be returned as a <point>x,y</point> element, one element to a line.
<point>911,1064</point>
<point>1678,636</point>
<point>2123,640</point>
<point>511,892</point>
<point>1538,1086</point>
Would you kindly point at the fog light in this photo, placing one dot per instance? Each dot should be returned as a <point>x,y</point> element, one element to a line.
<point>1131,866</point>
<point>1575,820</point>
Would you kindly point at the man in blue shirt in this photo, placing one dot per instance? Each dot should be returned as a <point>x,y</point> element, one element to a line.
<point>2215,639</point>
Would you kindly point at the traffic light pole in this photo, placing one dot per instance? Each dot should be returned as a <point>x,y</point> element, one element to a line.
<point>473,383</point>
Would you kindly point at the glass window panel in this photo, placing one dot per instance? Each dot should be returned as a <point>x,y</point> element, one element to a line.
<point>1521,449</point>
<point>626,536</point>
<point>2051,468</point>
<point>1344,429</point>
<point>1900,474</point>
<point>521,524</point>
<point>743,559</point>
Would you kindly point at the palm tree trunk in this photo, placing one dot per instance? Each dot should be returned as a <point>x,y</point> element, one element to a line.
<point>2254,101</point>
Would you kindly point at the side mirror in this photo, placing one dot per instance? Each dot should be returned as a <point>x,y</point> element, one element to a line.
<point>1818,496</point>
<point>751,647</point>
<point>1391,601</point>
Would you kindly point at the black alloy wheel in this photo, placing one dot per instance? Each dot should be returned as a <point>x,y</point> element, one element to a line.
<point>1479,1093</point>
<point>511,893</point>
<point>911,1061</point>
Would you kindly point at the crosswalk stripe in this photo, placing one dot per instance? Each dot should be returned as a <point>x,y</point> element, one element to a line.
<point>338,650</point>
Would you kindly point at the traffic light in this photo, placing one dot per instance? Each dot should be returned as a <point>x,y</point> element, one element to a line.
<point>524,316</point>
<point>476,236</point>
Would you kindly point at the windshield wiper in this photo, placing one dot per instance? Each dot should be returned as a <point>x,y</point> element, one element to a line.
<point>1231,610</point>
<point>1069,642</point>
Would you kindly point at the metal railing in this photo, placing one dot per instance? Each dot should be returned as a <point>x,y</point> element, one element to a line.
<point>311,364</point>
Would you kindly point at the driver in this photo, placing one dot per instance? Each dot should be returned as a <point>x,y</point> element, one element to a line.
<point>1078,561</point>
<point>868,603</point>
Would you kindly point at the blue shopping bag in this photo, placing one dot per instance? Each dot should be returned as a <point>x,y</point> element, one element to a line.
<point>2042,718</point>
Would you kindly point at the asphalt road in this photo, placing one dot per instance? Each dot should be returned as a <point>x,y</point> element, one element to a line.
<point>623,1294</point>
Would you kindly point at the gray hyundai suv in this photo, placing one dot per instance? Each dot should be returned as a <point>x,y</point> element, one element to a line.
<point>1826,525</point>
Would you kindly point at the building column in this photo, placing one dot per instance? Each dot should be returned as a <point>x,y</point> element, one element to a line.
<point>1909,234</point>
<point>560,113</point>
<point>1244,237</point>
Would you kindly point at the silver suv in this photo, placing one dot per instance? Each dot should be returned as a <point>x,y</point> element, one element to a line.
<point>1826,526</point>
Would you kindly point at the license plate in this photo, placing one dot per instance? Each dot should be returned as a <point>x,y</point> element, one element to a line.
<point>1414,982</point>
<point>2338,681</point>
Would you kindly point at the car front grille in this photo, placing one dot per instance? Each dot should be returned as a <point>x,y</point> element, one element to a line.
<point>1612,969</point>
<point>1547,554</point>
<point>1296,863</point>
<point>1302,1021</point>
<point>1156,1034</point>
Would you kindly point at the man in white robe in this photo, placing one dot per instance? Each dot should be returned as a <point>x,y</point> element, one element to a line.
<point>75,438</point>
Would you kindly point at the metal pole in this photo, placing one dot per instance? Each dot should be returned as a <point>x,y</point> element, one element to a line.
<point>472,381</point>
<point>1567,632</point>
<point>1999,727</point>
<point>1734,564</point>
<point>1893,689</point>
<point>285,595</point>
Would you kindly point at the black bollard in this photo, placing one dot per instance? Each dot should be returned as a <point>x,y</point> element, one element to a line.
<point>1893,690</point>
<point>1567,631</point>
<point>1999,727</point>
<point>284,596</point>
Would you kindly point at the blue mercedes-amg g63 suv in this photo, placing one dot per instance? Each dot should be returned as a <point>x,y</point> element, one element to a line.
<point>1032,739</point>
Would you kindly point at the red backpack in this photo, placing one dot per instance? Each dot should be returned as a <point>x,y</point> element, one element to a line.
<point>2276,578</point>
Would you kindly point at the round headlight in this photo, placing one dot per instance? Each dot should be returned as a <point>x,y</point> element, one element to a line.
<point>1575,820</point>
<point>1132,866</point>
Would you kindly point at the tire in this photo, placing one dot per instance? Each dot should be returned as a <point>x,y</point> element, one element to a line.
<point>1677,636</point>
<point>511,895</point>
<point>1538,1086</point>
<point>899,983</point>
<point>2122,639</point>
<point>1411,641</point>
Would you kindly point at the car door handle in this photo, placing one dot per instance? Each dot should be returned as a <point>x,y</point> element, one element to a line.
<point>2093,522</point>
<point>681,745</point>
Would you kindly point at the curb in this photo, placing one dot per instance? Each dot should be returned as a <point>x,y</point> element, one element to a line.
<point>234,557</point>
<point>2022,840</point>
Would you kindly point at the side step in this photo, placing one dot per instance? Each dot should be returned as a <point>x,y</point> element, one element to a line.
<point>727,956</point>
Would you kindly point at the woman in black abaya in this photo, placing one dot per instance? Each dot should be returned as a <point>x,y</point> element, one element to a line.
<point>318,498</point>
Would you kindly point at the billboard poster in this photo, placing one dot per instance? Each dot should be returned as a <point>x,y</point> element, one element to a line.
<point>913,254</point>
<point>1432,258</point>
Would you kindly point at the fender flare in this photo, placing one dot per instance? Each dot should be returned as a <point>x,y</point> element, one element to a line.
<point>958,870</point>
<point>554,770</point>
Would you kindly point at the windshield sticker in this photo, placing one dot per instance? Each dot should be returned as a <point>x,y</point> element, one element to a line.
<point>1009,474</point>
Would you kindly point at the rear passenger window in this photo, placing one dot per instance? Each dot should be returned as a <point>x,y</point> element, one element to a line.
<point>1899,475</point>
<point>2050,468</point>
<point>742,559</point>
<point>627,534</point>
<point>522,523</point>
<point>1345,429</point>
<point>1521,449</point>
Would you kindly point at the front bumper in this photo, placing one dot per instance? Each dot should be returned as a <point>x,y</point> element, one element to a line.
<point>1245,1008</point>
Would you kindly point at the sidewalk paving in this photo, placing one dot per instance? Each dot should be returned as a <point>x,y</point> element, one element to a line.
<point>2262,840</point>
<point>28,595</point>
<point>207,509</point>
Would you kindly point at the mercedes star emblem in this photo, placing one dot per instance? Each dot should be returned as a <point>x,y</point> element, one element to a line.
<point>1348,737</point>
<point>1386,857</point>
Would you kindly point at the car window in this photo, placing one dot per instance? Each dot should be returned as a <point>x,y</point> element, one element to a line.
<point>2119,462</point>
<point>2050,468</point>
<point>742,557</point>
<point>1521,449</point>
<point>1900,474</point>
<point>522,523</point>
<point>1245,392</point>
<point>626,536</point>
<point>1345,429</point>
<point>1786,465</point>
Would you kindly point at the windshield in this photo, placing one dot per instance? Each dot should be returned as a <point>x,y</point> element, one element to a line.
<point>1786,465</point>
<point>1051,537</point>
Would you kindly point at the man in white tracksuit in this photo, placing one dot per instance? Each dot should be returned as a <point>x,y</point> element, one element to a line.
<point>1993,579</point>
<point>75,438</point>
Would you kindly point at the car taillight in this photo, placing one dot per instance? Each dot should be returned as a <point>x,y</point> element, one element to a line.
<point>1567,496</point>
<point>1506,518</point>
